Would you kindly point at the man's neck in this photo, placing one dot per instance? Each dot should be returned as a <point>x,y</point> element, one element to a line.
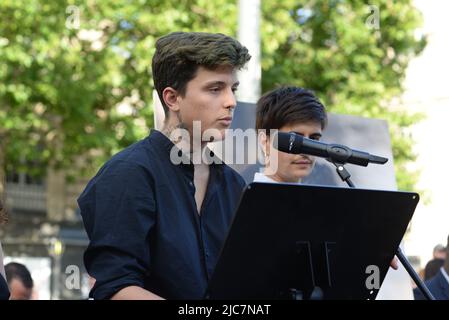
<point>169,127</point>
<point>187,144</point>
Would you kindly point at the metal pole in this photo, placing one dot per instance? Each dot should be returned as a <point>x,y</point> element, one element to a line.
<point>249,35</point>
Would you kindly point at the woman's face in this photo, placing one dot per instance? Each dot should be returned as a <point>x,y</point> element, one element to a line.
<point>291,168</point>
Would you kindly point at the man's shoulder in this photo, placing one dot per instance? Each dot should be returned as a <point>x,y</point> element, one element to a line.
<point>138,152</point>
<point>129,169</point>
<point>143,153</point>
<point>133,160</point>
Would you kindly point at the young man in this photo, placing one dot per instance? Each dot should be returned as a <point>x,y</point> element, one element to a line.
<point>156,227</point>
<point>288,109</point>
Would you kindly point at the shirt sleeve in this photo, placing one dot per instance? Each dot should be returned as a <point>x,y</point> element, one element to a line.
<point>118,210</point>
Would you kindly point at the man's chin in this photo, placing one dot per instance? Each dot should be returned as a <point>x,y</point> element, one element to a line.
<point>214,135</point>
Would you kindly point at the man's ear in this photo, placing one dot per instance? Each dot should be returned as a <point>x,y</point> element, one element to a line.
<point>264,141</point>
<point>170,97</point>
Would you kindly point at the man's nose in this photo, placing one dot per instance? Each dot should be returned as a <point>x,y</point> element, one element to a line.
<point>230,101</point>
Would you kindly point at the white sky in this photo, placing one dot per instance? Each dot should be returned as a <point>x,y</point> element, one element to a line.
<point>427,90</point>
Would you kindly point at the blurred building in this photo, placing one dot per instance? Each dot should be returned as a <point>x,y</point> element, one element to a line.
<point>45,232</point>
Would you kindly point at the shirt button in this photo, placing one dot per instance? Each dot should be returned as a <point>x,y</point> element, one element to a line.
<point>191,183</point>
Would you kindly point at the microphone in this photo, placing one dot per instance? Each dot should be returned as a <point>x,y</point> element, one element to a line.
<point>291,142</point>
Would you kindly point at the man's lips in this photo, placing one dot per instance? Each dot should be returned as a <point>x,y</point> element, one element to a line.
<point>226,121</point>
<point>303,162</point>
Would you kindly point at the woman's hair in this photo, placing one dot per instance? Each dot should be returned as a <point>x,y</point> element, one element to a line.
<point>289,105</point>
<point>3,214</point>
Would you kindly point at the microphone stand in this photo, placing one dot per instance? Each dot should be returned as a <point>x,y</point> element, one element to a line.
<point>346,177</point>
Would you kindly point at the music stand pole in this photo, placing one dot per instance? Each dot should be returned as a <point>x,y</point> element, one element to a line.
<point>346,177</point>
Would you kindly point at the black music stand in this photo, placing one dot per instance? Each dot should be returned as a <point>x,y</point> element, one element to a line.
<point>291,241</point>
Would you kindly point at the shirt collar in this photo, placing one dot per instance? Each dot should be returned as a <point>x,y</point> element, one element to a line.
<point>167,145</point>
<point>261,177</point>
<point>161,140</point>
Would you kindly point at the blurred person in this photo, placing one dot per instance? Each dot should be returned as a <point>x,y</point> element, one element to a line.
<point>439,252</point>
<point>156,227</point>
<point>4,291</point>
<point>439,284</point>
<point>19,280</point>
<point>433,266</point>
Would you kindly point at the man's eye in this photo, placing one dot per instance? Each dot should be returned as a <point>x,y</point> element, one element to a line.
<point>234,90</point>
<point>214,89</point>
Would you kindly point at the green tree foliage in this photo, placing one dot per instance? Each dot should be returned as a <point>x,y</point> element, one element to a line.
<point>353,54</point>
<point>75,76</point>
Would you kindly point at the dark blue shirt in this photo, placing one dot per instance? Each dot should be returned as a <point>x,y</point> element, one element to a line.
<point>438,286</point>
<point>140,214</point>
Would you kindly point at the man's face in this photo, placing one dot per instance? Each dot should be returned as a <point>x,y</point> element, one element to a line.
<point>440,254</point>
<point>19,291</point>
<point>294,167</point>
<point>210,99</point>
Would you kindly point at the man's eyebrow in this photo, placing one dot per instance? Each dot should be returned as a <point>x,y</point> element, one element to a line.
<point>214,83</point>
<point>220,83</point>
<point>316,134</point>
